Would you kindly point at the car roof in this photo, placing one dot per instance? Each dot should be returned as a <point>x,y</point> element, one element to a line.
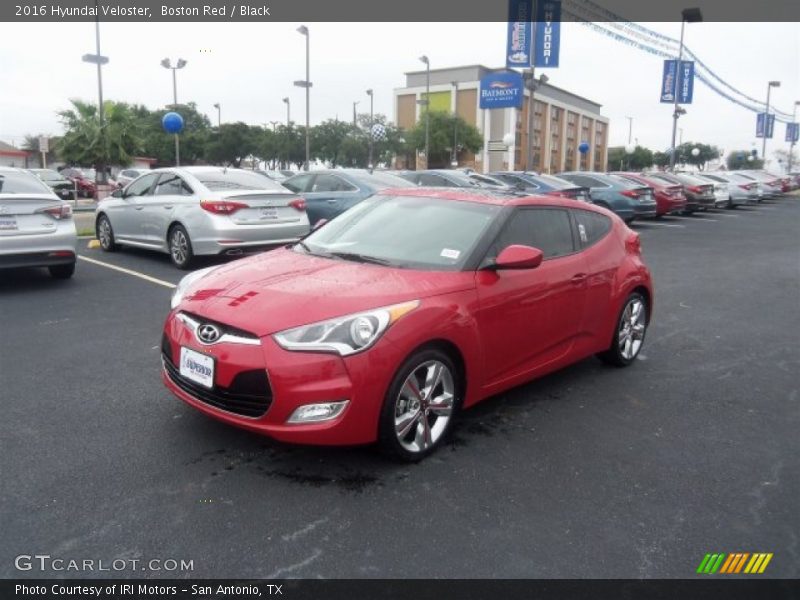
<point>487,196</point>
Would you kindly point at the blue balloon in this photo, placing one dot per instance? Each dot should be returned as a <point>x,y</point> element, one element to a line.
<point>172,122</point>
<point>583,147</point>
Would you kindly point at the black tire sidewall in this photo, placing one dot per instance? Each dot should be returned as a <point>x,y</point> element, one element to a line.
<point>387,438</point>
<point>189,252</point>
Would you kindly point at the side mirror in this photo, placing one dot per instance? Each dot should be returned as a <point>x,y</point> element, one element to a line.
<point>319,224</point>
<point>117,193</point>
<point>519,257</point>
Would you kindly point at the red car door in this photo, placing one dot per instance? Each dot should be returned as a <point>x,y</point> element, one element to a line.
<point>529,318</point>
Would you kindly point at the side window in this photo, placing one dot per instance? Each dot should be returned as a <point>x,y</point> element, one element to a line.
<point>431,180</point>
<point>298,183</point>
<point>548,229</point>
<point>511,180</point>
<point>331,183</point>
<point>141,186</point>
<point>582,180</point>
<point>172,185</point>
<point>592,227</point>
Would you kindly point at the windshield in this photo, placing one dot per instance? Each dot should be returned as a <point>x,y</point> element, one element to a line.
<point>555,182</point>
<point>625,182</point>
<point>21,183</point>
<point>48,175</point>
<point>382,181</point>
<point>404,231</point>
<point>235,179</point>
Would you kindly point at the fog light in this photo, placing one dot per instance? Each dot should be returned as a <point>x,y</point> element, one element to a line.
<point>314,413</point>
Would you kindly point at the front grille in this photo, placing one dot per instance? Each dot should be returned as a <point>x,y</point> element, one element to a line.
<point>249,394</point>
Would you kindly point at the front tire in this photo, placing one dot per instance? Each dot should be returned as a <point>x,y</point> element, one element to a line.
<point>62,271</point>
<point>180,247</point>
<point>105,234</point>
<point>629,333</point>
<point>419,407</point>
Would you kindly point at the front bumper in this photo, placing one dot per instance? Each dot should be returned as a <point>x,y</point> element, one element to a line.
<point>294,379</point>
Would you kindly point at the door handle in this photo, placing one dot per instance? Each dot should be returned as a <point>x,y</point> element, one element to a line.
<point>332,201</point>
<point>167,206</point>
<point>139,207</point>
<point>579,278</point>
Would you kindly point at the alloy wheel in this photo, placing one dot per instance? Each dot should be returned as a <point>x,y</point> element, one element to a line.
<point>424,406</point>
<point>631,328</point>
<point>179,246</point>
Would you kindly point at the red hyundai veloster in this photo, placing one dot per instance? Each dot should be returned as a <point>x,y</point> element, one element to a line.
<point>385,322</point>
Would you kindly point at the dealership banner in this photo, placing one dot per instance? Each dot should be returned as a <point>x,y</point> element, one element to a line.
<point>547,38</point>
<point>501,90</point>
<point>792,132</point>
<point>761,118</point>
<point>681,81</point>
<point>520,34</point>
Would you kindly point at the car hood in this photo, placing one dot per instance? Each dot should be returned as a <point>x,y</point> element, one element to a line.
<point>282,289</point>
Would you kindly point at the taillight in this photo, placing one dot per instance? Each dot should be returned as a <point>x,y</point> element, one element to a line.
<point>61,212</point>
<point>298,204</point>
<point>630,194</point>
<point>222,207</point>
<point>633,243</point>
<point>695,189</point>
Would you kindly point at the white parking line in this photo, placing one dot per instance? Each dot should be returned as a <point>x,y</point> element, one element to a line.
<point>166,284</point>
<point>726,216</point>
<point>648,224</point>
<point>692,218</point>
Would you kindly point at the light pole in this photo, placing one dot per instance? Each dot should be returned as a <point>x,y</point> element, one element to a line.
<point>303,30</point>
<point>770,85</point>
<point>688,15</point>
<point>630,130</point>
<point>426,103</point>
<point>531,84</point>
<point>371,123</point>
<point>179,65</point>
<point>454,161</point>
<point>355,120</point>
<point>791,144</point>
<point>99,60</point>
<point>219,115</point>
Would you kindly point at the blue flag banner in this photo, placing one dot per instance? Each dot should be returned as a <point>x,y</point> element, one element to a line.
<point>763,122</point>
<point>682,79</point>
<point>547,40</point>
<point>792,132</point>
<point>760,125</point>
<point>520,32</point>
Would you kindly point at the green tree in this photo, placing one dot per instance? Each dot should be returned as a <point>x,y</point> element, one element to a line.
<point>160,145</point>
<point>640,159</point>
<point>740,159</point>
<point>661,159</point>
<point>84,143</point>
<point>705,153</point>
<point>230,143</point>
<point>441,137</point>
<point>327,140</point>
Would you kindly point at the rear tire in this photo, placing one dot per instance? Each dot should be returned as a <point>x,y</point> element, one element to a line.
<point>420,406</point>
<point>180,247</point>
<point>62,271</point>
<point>105,234</point>
<point>629,333</point>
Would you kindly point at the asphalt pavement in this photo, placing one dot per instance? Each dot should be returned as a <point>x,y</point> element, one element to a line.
<point>593,472</point>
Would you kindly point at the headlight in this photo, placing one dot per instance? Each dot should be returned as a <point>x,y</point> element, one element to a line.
<point>344,335</point>
<point>188,280</point>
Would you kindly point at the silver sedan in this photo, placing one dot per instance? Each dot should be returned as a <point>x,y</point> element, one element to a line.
<point>36,226</point>
<point>190,211</point>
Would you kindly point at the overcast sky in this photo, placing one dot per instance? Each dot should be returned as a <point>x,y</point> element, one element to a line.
<point>248,68</point>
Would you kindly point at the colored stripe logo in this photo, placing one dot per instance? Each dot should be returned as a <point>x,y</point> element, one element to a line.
<point>733,563</point>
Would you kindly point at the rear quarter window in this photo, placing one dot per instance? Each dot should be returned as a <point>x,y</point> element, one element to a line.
<point>592,227</point>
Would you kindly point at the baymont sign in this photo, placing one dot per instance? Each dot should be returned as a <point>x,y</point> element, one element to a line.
<point>501,90</point>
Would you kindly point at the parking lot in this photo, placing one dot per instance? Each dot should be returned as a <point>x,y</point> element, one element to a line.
<point>592,472</point>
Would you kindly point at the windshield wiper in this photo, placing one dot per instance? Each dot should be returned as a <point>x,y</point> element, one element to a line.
<point>363,258</point>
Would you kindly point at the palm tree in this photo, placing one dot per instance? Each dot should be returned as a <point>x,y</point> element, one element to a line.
<point>85,143</point>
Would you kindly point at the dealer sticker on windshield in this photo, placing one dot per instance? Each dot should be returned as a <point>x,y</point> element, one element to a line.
<point>448,253</point>
<point>197,367</point>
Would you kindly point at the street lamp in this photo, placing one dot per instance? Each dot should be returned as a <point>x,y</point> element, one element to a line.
<point>355,120</point>
<point>179,65</point>
<point>688,15</point>
<point>288,112</point>
<point>454,161</point>
<point>770,85</point>
<point>531,84</point>
<point>371,124</point>
<point>99,60</point>
<point>219,114</point>
<point>303,30</point>
<point>426,104</point>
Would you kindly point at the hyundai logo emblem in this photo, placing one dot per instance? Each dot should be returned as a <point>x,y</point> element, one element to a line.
<point>208,334</point>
